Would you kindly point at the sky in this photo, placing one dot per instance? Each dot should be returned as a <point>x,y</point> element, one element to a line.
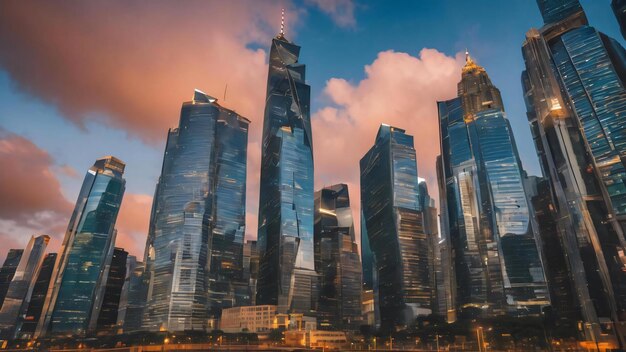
<point>80,80</point>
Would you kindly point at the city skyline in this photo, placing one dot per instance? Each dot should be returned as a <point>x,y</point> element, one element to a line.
<point>19,99</point>
<point>409,203</point>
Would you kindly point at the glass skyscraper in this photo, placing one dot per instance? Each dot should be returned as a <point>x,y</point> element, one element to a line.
<point>287,276</point>
<point>400,246</point>
<point>576,100</point>
<point>8,270</point>
<point>195,243</point>
<point>498,268</point>
<point>133,296</point>
<point>619,8</point>
<point>107,321</point>
<point>337,260</point>
<point>79,278</point>
<point>26,327</point>
<point>21,287</point>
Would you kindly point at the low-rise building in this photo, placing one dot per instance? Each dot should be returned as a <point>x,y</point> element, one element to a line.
<point>316,339</point>
<point>257,319</point>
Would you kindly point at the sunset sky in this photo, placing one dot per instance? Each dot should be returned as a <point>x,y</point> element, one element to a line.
<point>84,79</point>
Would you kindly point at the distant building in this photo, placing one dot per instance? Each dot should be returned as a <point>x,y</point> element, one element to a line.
<point>26,327</point>
<point>194,251</point>
<point>395,229</point>
<point>21,288</point>
<point>337,260</point>
<point>133,298</point>
<point>79,279</point>
<point>254,319</point>
<point>107,321</point>
<point>619,8</point>
<point>251,267</point>
<point>317,339</point>
<point>8,270</point>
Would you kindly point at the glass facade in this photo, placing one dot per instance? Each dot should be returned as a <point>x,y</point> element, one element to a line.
<point>393,215</point>
<point>337,260</point>
<point>107,321</point>
<point>26,327</point>
<point>195,242</point>
<point>575,96</point>
<point>79,278</point>
<point>287,276</point>
<point>133,298</point>
<point>21,288</point>
<point>619,9</point>
<point>8,270</point>
<point>497,263</point>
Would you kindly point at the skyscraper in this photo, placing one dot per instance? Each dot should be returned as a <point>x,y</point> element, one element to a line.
<point>8,270</point>
<point>444,267</point>
<point>576,100</point>
<point>337,260</point>
<point>107,321</point>
<point>133,297</point>
<point>394,220</point>
<point>619,9</point>
<point>287,276</point>
<point>21,287</point>
<point>498,269</point>
<point>431,228</point>
<point>195,243</point>
<point>79,278</point>
<point>26,327</point>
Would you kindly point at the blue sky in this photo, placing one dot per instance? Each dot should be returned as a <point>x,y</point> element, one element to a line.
<point>493,31</point>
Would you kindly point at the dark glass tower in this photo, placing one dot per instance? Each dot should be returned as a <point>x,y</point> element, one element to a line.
<point>395,228</point>
<point>576,100</point>
<point>619,9</point>
<point>107,321</point>
<point>21,288</point>
<point>26,327</point>
<point>195,242</point>
<point>337,260</point>
<point>287,275</point>
<point>497,262</point>
<point>8,270</point>
<point>133,298</point>
<point>79,278</point>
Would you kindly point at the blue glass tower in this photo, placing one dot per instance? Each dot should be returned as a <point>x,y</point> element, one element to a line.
<point>395,229</point>
<point>195,242</point>
<point>576,100</point>
<point>287,276</point>
<point>498,269</point>
<point>79,278</point>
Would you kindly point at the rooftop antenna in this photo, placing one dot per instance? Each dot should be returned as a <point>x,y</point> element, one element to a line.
<point>225,89</point>
<point>282,22</point>
<point>467,57</point>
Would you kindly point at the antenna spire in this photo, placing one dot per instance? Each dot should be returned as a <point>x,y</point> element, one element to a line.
<point>282,22</point>
<point>467,56</point>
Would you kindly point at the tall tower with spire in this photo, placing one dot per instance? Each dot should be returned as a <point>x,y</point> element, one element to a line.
<point>287,276</point>
<point>496,256</point>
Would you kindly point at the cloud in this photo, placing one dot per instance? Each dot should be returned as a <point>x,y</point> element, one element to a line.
<point>28,185</point>
<point>131,65</point>
<point>341,11</point>
<point>32,200</point>
<point>398,89</point>
<point>132,223</point>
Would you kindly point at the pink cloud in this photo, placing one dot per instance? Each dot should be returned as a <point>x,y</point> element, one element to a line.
<point>132,223</point>
<point>400,90</point>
